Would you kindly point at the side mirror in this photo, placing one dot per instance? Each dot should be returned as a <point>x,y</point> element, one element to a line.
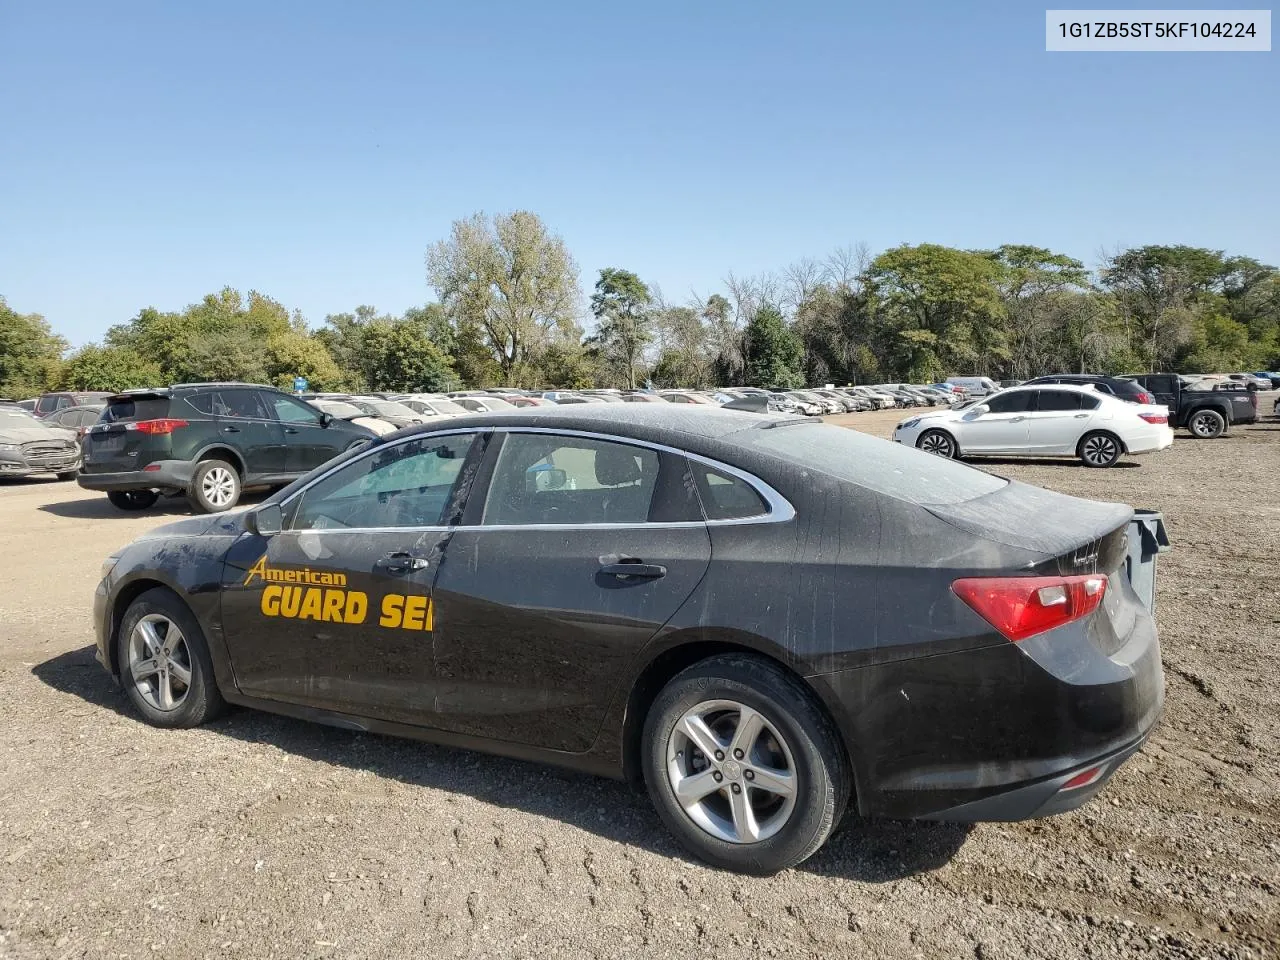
<point>981,410</point>
<point>325,419</point>
<point>266,520</point>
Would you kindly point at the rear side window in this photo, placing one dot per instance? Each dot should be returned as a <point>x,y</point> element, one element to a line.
<point>874,464</point>
<point>543,478</point>
<point>141,408</point>
<point>202,402</point>
<point>726,497</point>
<point>1049,401</point>
<point>239,405</point>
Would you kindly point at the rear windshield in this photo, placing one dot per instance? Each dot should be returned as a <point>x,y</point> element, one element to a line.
<point>141,408</point>
<point>446,406</point>
<point>879,465</point>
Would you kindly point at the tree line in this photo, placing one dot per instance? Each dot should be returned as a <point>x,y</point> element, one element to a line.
<point>510,311</point>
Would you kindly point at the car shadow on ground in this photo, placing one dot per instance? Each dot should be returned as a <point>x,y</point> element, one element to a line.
<point>100,508</point>
<point>871,851</point>
<point>1046,462</point>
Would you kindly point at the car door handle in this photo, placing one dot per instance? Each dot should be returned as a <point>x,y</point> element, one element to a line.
<point>624,567</point>
<point>230,429</point>
<point>290,429</point>
<point>401,563</point>
<point>1081,416</point>
<point>1016,419</point>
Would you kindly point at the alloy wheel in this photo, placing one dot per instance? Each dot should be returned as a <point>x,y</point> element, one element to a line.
<point>1099,450</point>
<point>732,771</point>
<point>1203,425</point>
<point>218,486</point>
<point>160,662</point>
<point>936,443</point>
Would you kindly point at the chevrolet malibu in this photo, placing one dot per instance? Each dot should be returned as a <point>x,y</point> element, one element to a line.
<point>765,621</point>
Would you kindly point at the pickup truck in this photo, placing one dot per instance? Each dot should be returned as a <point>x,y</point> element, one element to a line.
<point>1205,413</point>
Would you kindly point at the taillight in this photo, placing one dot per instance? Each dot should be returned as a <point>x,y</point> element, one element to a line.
<point>163,425</point>
<point>1021,607</point>
<point>1154,417</point>
<point>1144,397</point>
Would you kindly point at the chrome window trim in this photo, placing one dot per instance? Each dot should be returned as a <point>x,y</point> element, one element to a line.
<point>780,508</point>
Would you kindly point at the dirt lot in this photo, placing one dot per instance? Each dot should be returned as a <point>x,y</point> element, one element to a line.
<point>261,836</point>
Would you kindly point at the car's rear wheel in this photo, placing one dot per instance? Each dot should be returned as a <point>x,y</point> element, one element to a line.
<point>1207,424</point>
<point>215,486</point>
<point>1099,449</point>
<point>132,499</point>
<point>743,765</point>
<point>937,442</point>
<point>164,662</point>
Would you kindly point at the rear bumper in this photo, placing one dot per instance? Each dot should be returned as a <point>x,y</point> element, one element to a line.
<point>1158,437</point>
<point>165,475</point>
<point>995,732</point>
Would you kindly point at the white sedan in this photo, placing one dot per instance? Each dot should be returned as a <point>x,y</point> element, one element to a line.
<point>1042,421</point>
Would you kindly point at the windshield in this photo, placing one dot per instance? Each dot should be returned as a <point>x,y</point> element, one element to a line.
<point>390,408</point>
<point>343,411</point>
<point>445,407</point>
<point>497,403</point>
<point>879,465</point>
<point>15,417</point>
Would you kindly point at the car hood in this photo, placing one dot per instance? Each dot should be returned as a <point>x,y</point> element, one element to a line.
<point>218,524</point>
<point>37,431</point>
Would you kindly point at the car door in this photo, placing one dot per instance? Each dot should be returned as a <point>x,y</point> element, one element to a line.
<point>579,550</point>
<point>336,611</point>
<point>1057,420</point>
<point>308,442</point>
<point>997,425</point>
<point>244,423</point>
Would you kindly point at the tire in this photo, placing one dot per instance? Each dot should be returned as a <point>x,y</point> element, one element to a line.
<point>1207,424</point>
<point>215,486</point>
<point>182,693</point>
<point>68,475</point>
<point>1099,449</point>
<point>132,499</point>
<point>793,734</point>
<point>938,442</point>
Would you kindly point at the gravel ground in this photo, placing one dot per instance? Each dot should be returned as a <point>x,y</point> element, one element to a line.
<point>261,836</point>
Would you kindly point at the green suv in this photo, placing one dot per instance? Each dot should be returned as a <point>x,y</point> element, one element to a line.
<point>209,440</point>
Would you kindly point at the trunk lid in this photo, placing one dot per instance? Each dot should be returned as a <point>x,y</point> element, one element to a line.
<point>112,446</point>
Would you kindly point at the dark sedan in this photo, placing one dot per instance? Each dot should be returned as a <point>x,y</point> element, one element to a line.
<point>764,620</point>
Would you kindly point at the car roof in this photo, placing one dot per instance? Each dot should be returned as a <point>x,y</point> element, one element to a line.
<point>641,421</point>
<point>1070,387</point>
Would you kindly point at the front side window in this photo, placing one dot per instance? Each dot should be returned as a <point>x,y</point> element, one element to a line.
<point>543,478</point>
<point>1016,401</point>
<point>406,485</point>
<point>290,410</point>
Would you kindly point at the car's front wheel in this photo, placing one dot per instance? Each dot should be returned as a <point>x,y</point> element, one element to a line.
<point>743,765</point>
<point>215,486</point>
<point>164,662</point>
<point>937,442</point>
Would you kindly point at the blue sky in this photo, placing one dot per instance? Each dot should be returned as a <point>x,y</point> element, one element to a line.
<point>153,152</point>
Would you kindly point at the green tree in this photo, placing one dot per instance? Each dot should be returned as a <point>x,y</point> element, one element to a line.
<point>509,284</point>
<point>95,367</point>
<point>684,359</point>
<point>773,353</point>
<point>621,307</point>
<point>295,354</point>
<point>944,309</point>
<point>402,357</point>
<point>30,353</point>
<point>1035,286</point>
